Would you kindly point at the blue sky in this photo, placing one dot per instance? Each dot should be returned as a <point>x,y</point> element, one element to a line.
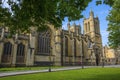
<point>101,11</point>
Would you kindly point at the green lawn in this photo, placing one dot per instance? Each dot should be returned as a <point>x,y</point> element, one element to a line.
<point>81,74</point>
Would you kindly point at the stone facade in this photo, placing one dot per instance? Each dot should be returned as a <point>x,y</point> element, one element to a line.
<point>53,46</point>
<point>92,29</point>
<point>111,56</point>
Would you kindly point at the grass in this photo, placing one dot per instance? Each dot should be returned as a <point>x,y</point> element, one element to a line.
<point>81,74</point>
<point>24,68</point>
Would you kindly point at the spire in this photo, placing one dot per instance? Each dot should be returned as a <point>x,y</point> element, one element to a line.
<point>68,25</point>
<point>97,16</point>
<point>91,13</point>
<point>79,28</point>
<point>74,24</point>
<point>79,24</point>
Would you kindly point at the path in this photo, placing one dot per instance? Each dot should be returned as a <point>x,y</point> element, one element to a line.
<point>5,74</point>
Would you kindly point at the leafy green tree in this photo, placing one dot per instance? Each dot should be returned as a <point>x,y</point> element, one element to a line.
<point>114,22</point>
<point>108,2</point>
<point>4,15</point>
<point>22,14</point>
<point>114,25</point>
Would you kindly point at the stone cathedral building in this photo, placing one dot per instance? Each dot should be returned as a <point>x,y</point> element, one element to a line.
<point>53,46</point>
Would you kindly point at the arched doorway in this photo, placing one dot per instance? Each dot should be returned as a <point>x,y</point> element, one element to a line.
<point>97,55</point>
<point>7,56</point>
<point>20,57</point>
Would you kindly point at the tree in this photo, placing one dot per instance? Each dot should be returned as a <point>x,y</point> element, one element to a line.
<point>108,2</point>
<point>22,14</point>
<point>4,15</point>
<point>114,22</point>
<point>114,25</point>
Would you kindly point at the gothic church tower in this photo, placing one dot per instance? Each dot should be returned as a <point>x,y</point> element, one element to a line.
<point>92,29</point>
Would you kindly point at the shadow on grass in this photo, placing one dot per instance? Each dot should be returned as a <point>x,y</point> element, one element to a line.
<point>102,77</point>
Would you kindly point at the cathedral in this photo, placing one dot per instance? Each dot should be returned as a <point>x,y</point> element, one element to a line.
<point>54,46</point>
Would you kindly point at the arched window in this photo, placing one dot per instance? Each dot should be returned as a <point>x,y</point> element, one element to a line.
<point>6,57</point>
<point>96,27</point>
<point>20,53</point>
<point>85,27</point>
<point>44,40</point>
<point>7,48</point>
<point>89,44</point>
<point>20,49</point>
<point>88,26</point>
<point>66,46</point>
<point>75,53</point>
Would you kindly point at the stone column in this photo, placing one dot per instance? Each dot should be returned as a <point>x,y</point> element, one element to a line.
<point>27,54</point>
<point>30,57</point>
<point>3,32</point>
<point>73,48</point>
<point>14,55</point>
<point>1,50</point>
<point>30,51</point>
<point>80,44</point>
<point>58,48</point>
<point>64,57</point>
<point>1,44</point>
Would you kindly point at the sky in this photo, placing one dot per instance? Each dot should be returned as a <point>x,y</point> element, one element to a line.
<point>101,11</point>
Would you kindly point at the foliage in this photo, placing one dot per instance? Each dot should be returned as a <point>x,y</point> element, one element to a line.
<point>4,15</point>
<point>38,13</point>
<point>81,74</point>
<point>114,22</point>
<point>108,2</point>
<point>114,25</point>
